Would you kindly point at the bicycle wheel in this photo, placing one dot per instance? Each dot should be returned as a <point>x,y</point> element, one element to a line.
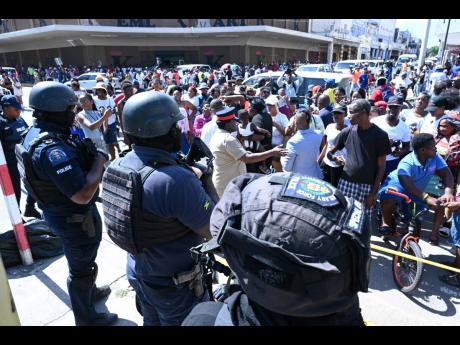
<point>407,273</point>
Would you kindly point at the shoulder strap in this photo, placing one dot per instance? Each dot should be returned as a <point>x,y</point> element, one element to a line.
<point>41,138</point>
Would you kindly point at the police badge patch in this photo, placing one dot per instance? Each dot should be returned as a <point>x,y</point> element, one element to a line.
<point>311,189</point>
<point>57,156</point>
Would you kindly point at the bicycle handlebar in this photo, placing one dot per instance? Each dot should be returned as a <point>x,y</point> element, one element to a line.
<point>394,192</point>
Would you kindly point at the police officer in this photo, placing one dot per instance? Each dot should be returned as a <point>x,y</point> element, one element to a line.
<point>64,176</point>
<point>12,127</point>
<point>168,210</point>
<point>299,250</point>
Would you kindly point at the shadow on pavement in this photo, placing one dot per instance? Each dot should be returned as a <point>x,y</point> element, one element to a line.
<point>22,271</point>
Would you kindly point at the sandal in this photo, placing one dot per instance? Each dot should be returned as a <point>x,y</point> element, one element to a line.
<point>451,279</point>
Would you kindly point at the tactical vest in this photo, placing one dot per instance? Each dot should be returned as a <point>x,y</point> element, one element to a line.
<point>321,283</point>
<point>128,225</point>
<point>42,191</point>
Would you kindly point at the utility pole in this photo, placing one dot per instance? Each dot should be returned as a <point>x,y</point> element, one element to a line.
<point>421,60</point>
<point>445,42</point>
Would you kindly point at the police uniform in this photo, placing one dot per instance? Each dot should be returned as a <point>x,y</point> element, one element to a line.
<point>10,135</point>
<point>171,191</point>
<point>300,251</point>
<point>153,206</point>
<point>55,168</point>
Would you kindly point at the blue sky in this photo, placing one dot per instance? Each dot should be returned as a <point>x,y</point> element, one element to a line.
<point>417,28</point>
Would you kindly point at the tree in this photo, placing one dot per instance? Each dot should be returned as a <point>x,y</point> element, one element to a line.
<point>433,51</point>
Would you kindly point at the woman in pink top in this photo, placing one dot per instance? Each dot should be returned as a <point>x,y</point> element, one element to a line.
<point>202,119</point>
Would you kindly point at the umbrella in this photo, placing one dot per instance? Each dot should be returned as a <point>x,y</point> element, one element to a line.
<point>225,66</point>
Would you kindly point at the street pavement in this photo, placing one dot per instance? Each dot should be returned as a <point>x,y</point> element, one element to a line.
<point>41,298</point>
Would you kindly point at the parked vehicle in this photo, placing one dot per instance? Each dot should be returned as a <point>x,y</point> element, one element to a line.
<point>182,68</point>
<point>315,68</point>
<point>309,78</point>
<point>88,81</point>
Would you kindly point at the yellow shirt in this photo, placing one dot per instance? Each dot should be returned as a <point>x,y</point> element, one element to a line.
<point>330,92</point>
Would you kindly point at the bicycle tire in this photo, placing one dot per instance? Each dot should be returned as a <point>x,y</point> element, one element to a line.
<point>407,273</point>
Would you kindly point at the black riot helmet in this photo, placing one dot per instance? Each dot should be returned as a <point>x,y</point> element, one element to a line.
<point>53,102</point>
<point>297,245</point>
<point>150,115</point>
<point>50,96</point>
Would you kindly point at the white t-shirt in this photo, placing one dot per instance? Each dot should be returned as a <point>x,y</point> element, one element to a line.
<point>411,119</point>
<point>331,133</point>
<point>183,124</point>
<point>102,105</point>
<point>194,100</point>
<point>399,132</point>
<point>282,120</point>
<point>208,131</point>
<point>429,125</point>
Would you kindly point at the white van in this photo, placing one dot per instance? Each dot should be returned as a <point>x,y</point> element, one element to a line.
<point>404,58</point>
<point>309,78</point>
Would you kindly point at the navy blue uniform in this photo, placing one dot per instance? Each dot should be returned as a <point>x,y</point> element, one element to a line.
<point>78,226</point>
<point>170,191</point>
<point>10,135</point>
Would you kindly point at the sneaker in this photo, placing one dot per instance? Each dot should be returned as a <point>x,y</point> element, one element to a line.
<point>451,279</point>
<point>444,232</point>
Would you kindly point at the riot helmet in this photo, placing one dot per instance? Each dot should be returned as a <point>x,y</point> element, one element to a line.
<point>150,115</point>
<point>53,102</point>
<point>297,245</point>
<point>51,96</point>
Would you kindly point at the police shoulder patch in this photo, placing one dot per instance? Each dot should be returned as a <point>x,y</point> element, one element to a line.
<point>310,189</point>
<point>57,156</point>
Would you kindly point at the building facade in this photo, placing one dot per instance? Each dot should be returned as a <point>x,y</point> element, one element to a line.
<point>211,41</point>
<point>141,41</point>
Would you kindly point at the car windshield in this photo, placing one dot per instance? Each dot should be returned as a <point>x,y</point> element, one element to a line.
<point>344,65</point>
<point>308,68</point>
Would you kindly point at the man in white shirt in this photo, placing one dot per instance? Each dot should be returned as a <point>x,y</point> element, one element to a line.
<point>290,85</point>
<point>103,102</point>
<point>280,127</point>
<point>398,133</point>
<point>210,128</point>
<point>436,108</point>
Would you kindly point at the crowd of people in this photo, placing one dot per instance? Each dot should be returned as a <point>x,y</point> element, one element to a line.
<point>361,141</point>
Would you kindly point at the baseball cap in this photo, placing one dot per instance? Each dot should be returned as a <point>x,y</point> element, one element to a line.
<point>203,86</point>
<point>271,100</point>
<point>339,108</point>
<point>11,101</point>
<point>100,86</point>
<point>381,104</point>
<point>395,101</point>
<point>436,102</point>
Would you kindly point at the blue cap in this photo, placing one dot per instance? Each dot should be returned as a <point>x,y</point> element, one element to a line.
<point>11,101</point>
<point>330,82</point>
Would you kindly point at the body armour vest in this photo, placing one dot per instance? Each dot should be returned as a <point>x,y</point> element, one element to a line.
<point>42,191</point>
<point>128,225</point>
